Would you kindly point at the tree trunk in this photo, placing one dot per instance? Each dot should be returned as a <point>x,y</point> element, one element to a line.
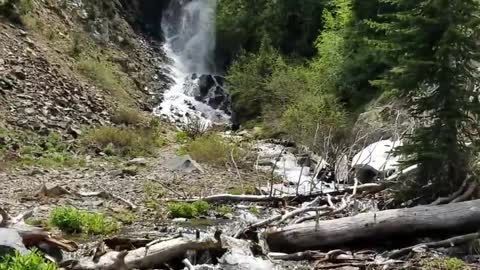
<point>421,220</point>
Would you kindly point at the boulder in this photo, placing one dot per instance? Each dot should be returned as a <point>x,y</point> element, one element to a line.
<point>184,164</point>
<point>11,241</point>
<point>211,92</point>
<point>376,160</point>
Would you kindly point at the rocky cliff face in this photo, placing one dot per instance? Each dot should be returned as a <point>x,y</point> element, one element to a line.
<point>64,64</point>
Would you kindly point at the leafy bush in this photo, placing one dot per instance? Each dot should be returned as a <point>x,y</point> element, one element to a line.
<point>182,137</point>
<point>201,207</point>
<point>33,261</point>
<point>71,220</point>
<point>188,210</point>
<point>314,118</point>
<point>124,141</point>
<point>444,264</point>
<point>247,78</point>
<point>212,149</point>
<point>247,190</point>
<point>224,210</point>
<point>128,116</point>
<point>194,127</point>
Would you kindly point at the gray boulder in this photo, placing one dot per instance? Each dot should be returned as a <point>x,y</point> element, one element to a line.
<point>184,164</point>
<point>11,241</point>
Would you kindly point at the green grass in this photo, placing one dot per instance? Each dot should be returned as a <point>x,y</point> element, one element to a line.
<point>51,150</point>
<point>124,141</point>
<point>153,192</point>
<point>73,221</point>
<point>33,261</point>
<point>106,75</point>
<point>188,210</point>
<point>128,116</point>
<point>212,149</point>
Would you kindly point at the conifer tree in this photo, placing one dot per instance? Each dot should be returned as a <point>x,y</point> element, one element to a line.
<point>435,44</point>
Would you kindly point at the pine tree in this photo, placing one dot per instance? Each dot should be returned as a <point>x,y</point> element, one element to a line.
<point>435,44</point>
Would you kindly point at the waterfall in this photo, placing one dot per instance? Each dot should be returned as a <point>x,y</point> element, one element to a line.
<point>189,29</point>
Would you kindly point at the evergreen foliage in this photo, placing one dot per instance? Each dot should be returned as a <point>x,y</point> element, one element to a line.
<point>434,44</point>
<point>291,25</point>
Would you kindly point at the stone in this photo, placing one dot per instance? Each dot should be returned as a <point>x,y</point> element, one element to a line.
<point>19,74</point>
<point>376,160</point>
<point>11,241</point>
<point>184,164</point>
<point>138,161</point>
<point>130,171</point>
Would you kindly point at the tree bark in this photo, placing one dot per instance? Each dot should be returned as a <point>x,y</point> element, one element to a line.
<point>421,220</point>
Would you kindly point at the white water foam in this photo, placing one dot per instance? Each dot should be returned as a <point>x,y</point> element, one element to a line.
<point>189,29</point>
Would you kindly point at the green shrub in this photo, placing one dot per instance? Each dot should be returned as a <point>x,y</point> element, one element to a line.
<point>181,137</point>
<point>128,116</point>
<point>71,220</point>
<point>254,210</point>
<point>224,210</point>
<point>246,190</point>
<point>24,7</point>
<point>33,261</point>
<point>444,264</point>
<point>201,207</point>
<point>188,210</point>
<point>314,116</point>
<point>181,210</point>
<point>124,141</point>
<point>212,149</point>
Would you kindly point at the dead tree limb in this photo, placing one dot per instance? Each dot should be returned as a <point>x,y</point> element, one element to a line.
<point>454,241</point>
<point>467,194</point>
<point>453,196</point>
<point>149,257</point>
<point>420,220</point>
<point>228,198</point>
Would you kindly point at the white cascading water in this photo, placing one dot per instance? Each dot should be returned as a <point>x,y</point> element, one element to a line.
<point>189,30</point>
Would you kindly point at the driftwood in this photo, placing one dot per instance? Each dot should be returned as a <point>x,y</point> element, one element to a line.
<point>34,236</point>
<point>463,216</point>
<point>148,257</point>
<point>229,198</point>
<point>450,242</point>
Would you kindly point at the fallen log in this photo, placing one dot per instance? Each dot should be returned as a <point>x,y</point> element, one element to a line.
<point>150,256</point>
<point>421,220</point>
<point>34,236</point>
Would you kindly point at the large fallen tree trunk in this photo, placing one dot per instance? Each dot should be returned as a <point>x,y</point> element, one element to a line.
<point>421,220</point>
<point>148,257</point>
